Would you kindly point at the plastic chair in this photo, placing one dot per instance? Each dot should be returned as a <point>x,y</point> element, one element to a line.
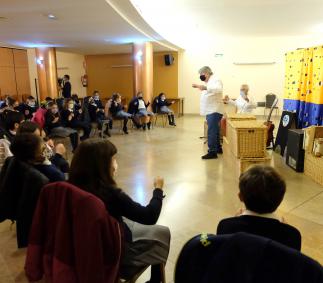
<point>270,99</point>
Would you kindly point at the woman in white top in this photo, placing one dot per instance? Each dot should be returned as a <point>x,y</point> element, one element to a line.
<point>243,102</point>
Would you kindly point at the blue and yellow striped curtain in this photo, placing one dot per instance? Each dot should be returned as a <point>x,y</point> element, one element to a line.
<point>304,85</point>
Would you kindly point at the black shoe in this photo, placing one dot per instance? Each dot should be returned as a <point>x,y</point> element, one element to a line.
<point>107,133</point>
<point>144,127</point>
<point>149,125</point>
<point>210,155</point>
<point>220,151</point>
<point>125,130</point>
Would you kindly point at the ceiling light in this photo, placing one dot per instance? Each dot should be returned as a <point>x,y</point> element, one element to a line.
<point>51,17</point>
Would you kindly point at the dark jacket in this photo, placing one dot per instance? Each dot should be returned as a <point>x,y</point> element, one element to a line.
<point>51,172</point>
<point>115,108</point>
<point>265,227</point>
<point>67,89</point>
<point>243,258</point>
<point>60,162</point>
<point>161,103</point>
<point>27,110</point>
<point>119,204</point>
<point>134,104</point>
<point>20,185</point>
<point>73,239</point>
<point>96,115</point>
<point>65,114</point>
<point>49,118</point>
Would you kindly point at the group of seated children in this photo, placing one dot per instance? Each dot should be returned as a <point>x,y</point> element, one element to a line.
<point>93,169</point>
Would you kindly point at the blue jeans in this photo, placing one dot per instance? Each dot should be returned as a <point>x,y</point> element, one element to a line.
<point>213,133</point>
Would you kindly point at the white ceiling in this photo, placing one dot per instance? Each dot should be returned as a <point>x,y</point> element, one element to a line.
<point>175,19</point>
<point>83,26</point>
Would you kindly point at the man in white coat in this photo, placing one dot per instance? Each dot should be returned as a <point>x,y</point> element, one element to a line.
<point>243,103</point>
<point>211,106</point>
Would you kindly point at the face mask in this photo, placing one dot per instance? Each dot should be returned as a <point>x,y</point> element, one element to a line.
<point>202,78</point>
<point>242,93</point>
<point>96,98</point>
<point>140,97</point>
<point>71,106</point>
<point>54,111</point>
<point>31,104</point>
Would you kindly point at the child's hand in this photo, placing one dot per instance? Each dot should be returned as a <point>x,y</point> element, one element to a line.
<point>158,183</point>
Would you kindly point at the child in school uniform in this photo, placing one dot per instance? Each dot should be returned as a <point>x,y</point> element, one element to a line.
<point>162,106</point>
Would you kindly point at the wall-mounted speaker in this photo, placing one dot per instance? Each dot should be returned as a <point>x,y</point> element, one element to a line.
<point>169,59</point>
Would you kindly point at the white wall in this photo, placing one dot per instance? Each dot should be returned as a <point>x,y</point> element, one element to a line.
<point>73,65</point>
<point>261,79</point>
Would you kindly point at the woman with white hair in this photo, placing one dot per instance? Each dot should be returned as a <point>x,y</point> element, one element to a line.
<point>211,106</point>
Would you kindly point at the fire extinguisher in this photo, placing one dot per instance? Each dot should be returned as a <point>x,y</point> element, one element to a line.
<point>84,80</point>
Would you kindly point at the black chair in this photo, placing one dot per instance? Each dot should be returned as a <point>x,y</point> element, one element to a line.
<point>243,258</point>
<point>270,99</point>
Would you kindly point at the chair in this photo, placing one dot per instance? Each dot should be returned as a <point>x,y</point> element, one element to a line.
<point>73,238</point>
<point>243,258</point>
<point>270,99</point>
<point>164,118</point>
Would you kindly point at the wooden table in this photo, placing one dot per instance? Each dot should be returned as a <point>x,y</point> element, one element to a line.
<point>179,101</point>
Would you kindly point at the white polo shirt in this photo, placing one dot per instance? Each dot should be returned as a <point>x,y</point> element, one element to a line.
<point>212,98</point>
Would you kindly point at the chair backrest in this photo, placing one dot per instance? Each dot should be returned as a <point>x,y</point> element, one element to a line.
<point>107,107</point>
<point>243,258</point>
<point>270,98</point>
<point>74,232</point>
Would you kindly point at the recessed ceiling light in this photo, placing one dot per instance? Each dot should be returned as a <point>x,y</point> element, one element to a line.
<point>51,17</point>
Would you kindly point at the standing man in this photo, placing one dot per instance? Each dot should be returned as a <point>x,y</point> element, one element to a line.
<point>67,87</point>
<point>211,106</point>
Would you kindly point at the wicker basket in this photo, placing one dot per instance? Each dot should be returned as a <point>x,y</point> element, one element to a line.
<point>246,163</point>
<point>243,164</point>
<point>247,138</point>
<point>313,167</point>
<point>240,117</point>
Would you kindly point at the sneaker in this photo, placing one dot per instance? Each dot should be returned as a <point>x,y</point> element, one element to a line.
<point>220,151</point>
<point>210,155</point>
<point>149,125</point>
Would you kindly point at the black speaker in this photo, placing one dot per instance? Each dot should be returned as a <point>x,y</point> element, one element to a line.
<point>295,152</point>
<point>169,59</point>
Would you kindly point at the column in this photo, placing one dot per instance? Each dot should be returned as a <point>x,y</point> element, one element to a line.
<point>47,72</point>
<point>143,69</point>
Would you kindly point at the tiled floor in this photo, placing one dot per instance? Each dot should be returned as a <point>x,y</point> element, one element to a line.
<point>199,193</point>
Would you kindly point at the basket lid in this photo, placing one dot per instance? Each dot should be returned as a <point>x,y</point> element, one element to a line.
<point>234,116</point>
<point>251,124</point>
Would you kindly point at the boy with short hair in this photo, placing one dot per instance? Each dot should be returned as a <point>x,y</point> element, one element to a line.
<point>262,190</point>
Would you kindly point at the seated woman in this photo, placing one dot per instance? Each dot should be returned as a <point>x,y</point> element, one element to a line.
<point>138,107</point>
<point>262,190</point>
<point>30,148</point>
<point>52,152</point>
<point>93,169</point>
<point>71,118</point>
<point>117,111</point>
<point>54,125</point>
<point>162,106</point>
